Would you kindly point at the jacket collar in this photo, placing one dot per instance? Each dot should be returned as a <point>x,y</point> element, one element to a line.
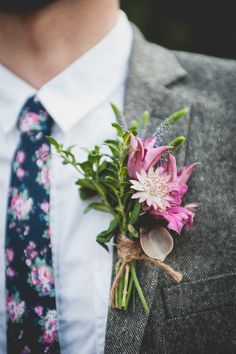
<point>152,72</point>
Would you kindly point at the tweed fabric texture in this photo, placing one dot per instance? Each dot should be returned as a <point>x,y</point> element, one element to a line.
<point>199,314</point>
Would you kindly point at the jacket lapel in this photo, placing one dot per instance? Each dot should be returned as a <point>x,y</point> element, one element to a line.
<point>152,72</point>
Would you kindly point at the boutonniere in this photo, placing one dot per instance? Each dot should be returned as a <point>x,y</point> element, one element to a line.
<point>137,181</point>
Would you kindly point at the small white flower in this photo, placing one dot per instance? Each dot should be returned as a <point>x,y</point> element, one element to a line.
<point>152,188</point>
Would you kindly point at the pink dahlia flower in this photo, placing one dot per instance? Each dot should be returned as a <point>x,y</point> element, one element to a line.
<point>143,155</point>
<point>161,192</point>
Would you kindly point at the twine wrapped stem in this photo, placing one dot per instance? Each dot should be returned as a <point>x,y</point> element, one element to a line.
<point>128,252</point>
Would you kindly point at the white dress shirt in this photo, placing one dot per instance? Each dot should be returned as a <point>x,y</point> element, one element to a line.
<point>78,100</point>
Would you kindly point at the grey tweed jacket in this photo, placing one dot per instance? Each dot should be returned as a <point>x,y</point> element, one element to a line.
<point>198,315</point>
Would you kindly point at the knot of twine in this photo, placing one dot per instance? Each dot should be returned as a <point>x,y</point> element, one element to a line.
<point>129,250</point>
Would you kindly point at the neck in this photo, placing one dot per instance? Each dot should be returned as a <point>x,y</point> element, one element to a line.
<point>39,45</point>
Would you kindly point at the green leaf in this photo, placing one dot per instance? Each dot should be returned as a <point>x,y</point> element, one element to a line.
<point>94,156</point>
<point>102,166</point>
<point>101,239</point>
<point>113,141</point>
<point>176,116</point>
<point>85,183</point>
<point>118,128</point>
<point>119,115</point>
<point>106,236</point>
<point>126,137</point>
<point>113,225</point>
<point>53,142</point>
<point>135,212</point>
<point>127,196</point>
<point>113,186</point>
<point>124,172</point>
<point>176,143</point>
<point>145,118</point>
<point>99,188</point>
<point>113,166</point>
<point>134,127</point>
<point>124,155</point>
<point>119,209</point>
<point>116,110</point>
<point>69,156</point>
<point>134,124</point>
<point>111,175</point>
<point>132,231</point>
<point>86,194</point>
<point>97,206</point>
<point>114,148</point>
<point>111,179</point>
<point>87,167</point>
<point>97,149</point>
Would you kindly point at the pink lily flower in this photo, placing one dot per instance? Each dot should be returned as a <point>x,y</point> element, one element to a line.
<point>143,155</point>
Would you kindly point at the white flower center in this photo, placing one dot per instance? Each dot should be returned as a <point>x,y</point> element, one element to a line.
<point>156,185</point>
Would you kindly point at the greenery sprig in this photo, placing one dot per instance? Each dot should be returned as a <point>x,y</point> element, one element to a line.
<point>104,175</point>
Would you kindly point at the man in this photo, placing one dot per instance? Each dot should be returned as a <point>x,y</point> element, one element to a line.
<point>64,61</point>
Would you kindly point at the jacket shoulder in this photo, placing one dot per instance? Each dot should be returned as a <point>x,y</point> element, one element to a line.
<point>205,61</point>
<point>209,73</point>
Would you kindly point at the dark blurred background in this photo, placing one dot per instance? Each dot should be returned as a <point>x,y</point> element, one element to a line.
<point>202,26</point>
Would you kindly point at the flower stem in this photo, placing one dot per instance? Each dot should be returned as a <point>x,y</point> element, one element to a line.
<point>138,287</point>
<point>116,298</point>
<point>117,267</point>
<point>125,289</point>
<point>120,291</point>
<point>130,288</point>
<point>134,299</point>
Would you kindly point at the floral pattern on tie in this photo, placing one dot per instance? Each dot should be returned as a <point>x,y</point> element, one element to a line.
<point>15,308</point>
<point>32,325</point>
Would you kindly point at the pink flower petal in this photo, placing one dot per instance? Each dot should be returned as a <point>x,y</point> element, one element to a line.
<point>171,168</point>
<point>185,173</point>
<point>177,217</point>
<point>135,156</point>
<point>148,143</point>
<point>153,156</point>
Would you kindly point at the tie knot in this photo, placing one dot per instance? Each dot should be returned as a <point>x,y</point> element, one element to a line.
<point>34,118</point>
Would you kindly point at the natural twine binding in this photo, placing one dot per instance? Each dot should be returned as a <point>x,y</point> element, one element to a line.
<point>129,250</point>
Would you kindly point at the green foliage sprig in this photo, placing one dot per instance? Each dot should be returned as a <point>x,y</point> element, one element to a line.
<point>105,175</point>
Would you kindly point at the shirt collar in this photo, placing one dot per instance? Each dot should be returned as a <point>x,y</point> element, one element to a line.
<point>13,94</point>
<point>77,90</point>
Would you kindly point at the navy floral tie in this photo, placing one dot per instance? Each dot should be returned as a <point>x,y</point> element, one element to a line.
<point>32,325</point>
